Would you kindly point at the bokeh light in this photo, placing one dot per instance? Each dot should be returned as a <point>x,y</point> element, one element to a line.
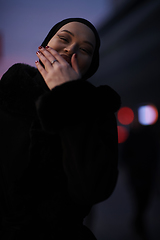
<point>123,134</point>
<point>147,115</point>
<point>125,115</point>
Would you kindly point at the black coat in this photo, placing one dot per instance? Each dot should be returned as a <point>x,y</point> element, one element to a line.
<point>59,154</point>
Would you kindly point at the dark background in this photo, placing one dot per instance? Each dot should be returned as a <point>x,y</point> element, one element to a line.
<point>130,63</point>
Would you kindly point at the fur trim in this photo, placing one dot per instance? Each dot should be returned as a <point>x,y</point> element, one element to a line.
<point>70,103</point>
<point>74,102</point>
<point>19,88</point>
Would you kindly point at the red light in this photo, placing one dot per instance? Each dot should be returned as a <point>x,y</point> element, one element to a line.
<point>122,134</point>
<point>125,115</point>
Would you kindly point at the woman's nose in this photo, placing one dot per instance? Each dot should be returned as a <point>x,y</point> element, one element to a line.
<point>71,48</point>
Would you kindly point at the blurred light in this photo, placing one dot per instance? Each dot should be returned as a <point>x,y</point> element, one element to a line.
<point>122,134</point>
<point>125,115</point>
<point>147,115</point>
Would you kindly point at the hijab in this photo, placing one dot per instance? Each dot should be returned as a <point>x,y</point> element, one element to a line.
<point>95,60</point>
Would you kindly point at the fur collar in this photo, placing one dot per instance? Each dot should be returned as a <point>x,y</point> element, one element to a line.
<point>20,87</point>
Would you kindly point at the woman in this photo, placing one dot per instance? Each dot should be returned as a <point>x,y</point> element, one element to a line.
<point>59,138</point>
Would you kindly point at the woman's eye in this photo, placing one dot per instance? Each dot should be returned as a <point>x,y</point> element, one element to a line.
<point>86,51</point>
<point>63,39</point>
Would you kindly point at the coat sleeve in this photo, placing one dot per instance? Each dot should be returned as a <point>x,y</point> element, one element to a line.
<point>89,139</point>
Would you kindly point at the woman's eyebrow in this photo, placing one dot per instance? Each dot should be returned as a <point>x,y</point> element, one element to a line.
<point>68,32</point>
<point>89,43</point>
<point>73,36</point>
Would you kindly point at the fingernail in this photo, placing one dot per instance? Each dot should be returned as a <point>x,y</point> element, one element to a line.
<point>75,55</point>
<point>40,47</point>
<point>47,47</point>
<point>38,52</point>
<point>36,61</point>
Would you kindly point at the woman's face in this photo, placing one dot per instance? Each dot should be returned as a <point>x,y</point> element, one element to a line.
<point>75,37</point>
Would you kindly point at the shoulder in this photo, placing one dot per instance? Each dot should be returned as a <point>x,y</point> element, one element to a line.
<point>103,95</point>
<point>108,98</point>
<point>18,74</point>
<point>18,88</point>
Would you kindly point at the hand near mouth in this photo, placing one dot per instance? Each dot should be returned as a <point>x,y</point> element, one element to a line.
<point>71,60</point>
<point>67,58</point>
<point>55,73</point>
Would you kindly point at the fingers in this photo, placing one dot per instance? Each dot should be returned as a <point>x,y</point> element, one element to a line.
<point>50,54</point>
<point>74,63</point>
<point>45,57</point>
<point>59,69</point>
<point>40,68</point>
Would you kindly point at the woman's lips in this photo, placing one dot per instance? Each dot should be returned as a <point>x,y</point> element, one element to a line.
<point>67,58</point>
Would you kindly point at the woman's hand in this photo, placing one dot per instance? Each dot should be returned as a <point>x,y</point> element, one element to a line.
<point>59,71</point>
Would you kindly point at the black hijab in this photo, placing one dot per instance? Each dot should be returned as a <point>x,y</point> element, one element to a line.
<point>95,61</point>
